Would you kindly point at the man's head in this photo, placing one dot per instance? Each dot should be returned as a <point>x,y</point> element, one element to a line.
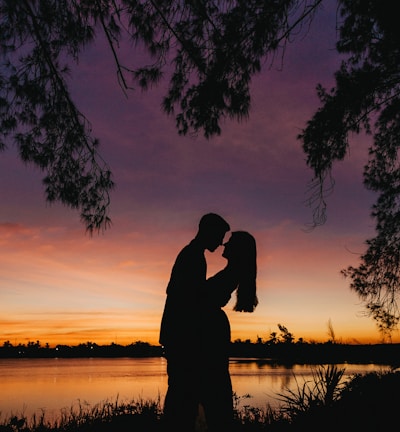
<point>212,230</point>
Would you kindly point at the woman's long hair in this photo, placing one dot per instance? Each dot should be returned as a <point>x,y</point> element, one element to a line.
<point>244,258</point>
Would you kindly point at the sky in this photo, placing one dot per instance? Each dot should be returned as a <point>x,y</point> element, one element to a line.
<point>60,285</point>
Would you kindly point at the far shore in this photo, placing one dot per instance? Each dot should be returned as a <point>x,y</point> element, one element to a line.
<point>279,352</point>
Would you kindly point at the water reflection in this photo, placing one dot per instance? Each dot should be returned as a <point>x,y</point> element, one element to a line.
<point>31,386</point>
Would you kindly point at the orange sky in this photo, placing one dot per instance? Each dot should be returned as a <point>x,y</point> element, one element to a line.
<point>58,285</point>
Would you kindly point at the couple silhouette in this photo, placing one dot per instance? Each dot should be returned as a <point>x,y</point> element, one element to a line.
<point>195,331</point>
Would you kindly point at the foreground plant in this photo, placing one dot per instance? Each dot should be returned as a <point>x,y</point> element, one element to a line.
<point>322,391</point>
<point>363,402</point>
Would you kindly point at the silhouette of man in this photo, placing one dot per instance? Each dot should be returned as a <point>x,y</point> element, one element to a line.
<point>180,332</point>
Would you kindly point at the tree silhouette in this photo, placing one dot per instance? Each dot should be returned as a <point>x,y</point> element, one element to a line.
<point>366,97</point>
<point>215,46</point>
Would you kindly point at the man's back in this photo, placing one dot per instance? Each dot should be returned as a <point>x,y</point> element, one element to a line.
<point>180,322</point>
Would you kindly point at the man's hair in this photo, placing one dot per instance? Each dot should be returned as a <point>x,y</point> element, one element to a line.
<point>213,222</point>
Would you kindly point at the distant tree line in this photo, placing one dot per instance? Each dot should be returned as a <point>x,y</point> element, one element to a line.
<point>283,348</point>
<point>88,349</point>
<point>279,348</point>
<point>302,352</point>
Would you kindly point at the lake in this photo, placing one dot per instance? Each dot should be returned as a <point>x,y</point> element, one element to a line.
<point>33,386</point>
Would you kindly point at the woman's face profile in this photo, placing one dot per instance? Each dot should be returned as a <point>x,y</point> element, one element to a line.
<point>230,248</point>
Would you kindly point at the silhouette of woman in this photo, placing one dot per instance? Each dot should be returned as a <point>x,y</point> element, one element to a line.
<point>240,275</point>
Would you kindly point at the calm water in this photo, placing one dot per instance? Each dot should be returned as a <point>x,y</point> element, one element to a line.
<point>31,386</point>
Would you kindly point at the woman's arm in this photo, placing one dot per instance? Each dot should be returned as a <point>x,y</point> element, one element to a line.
<point>220,287</point>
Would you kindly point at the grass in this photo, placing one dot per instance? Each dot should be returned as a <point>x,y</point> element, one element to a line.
<point>105,416</point>
<point>361,403</point>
